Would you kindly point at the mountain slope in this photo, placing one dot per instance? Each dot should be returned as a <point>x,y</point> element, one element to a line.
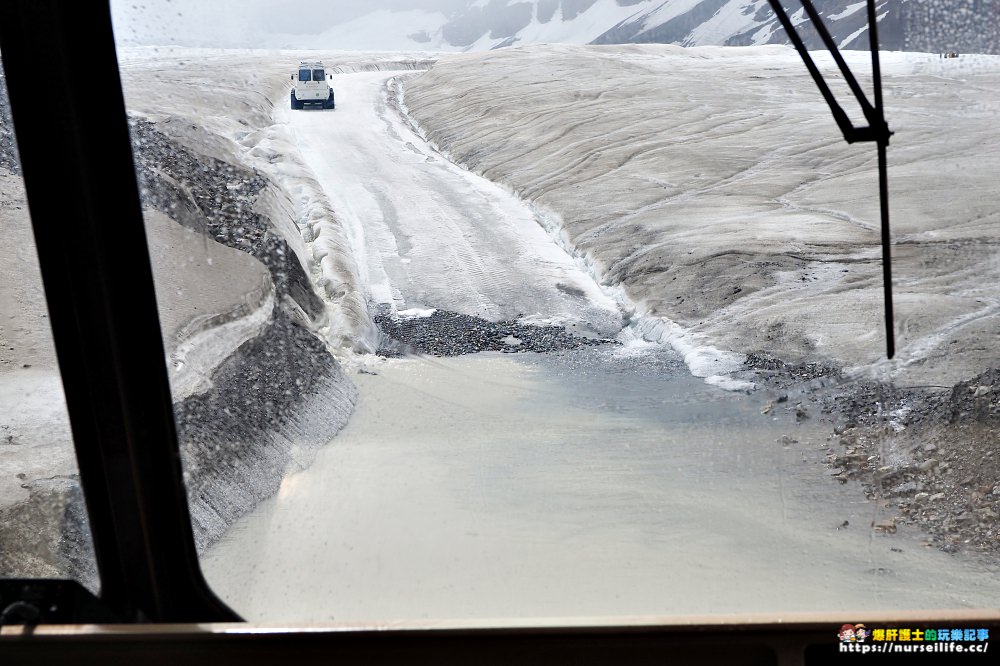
<point>913,25</point>
<point>746,22</point>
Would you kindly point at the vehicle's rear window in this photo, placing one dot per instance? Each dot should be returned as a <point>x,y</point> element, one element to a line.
<point>318,75</point>
<point>304,75</point>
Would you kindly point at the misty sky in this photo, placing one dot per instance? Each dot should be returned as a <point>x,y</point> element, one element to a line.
<point>245,22</point>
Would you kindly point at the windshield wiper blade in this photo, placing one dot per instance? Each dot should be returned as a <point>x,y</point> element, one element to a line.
<point>877,129</point>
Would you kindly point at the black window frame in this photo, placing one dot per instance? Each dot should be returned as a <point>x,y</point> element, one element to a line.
<point>98,283</point>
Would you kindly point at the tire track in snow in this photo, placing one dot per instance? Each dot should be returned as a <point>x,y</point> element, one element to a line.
<point>436,235</point>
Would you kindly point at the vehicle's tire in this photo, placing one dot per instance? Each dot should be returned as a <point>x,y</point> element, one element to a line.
<point>329,103</point>
<point>296,104</point>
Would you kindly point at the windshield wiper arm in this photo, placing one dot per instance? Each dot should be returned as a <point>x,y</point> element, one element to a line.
<point>877,129</point>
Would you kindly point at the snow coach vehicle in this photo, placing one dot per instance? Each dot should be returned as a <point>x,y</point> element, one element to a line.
<point>311,86</point>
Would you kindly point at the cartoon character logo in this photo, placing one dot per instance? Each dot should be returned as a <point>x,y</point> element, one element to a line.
<point>861,633</point>
<point>846,634</point>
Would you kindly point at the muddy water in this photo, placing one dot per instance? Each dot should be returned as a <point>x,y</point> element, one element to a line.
<point>591,483</point>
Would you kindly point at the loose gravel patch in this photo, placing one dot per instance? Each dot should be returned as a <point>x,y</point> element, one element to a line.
<point>446,333</point>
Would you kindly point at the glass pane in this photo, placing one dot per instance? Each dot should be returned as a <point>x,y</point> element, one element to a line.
<point>587,329</point>
<point>43,521</point>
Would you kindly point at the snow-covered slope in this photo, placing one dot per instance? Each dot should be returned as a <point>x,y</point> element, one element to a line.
<point>747,22</point>
<point>476,25</point>
<point>914,25</point>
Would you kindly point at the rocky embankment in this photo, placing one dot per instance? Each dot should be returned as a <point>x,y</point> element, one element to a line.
<point>926,455</point>
<point>268,405</point>
<point>281,395</point>
<point>8,148</point>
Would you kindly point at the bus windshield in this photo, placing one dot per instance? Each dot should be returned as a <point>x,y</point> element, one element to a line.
<point>571,309</point>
